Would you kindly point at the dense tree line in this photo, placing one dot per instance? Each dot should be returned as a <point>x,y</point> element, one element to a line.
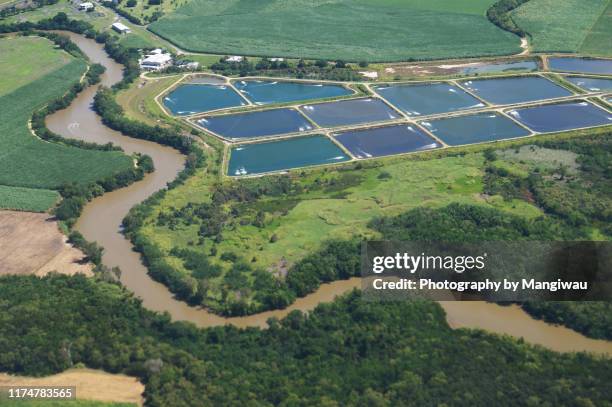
<point>338,71</point>
<point>592,318</point>
<point>349,352</point>
<point>580,198</point>
<point>499,14</point>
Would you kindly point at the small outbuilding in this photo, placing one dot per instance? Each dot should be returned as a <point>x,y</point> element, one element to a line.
<point>235,58</point>
<point>121,28</point>
<point>87,6</point>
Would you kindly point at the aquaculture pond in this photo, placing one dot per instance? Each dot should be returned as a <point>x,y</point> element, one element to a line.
<point>475,128</point>
<point>582,65</point>
<point>196,98</point>
<point>428,98</point>
<point>256,124</point>
<point>348,112</point>
<point>562,116</point>
<point>284,154</point>
<point>265,92</point>
<point>591,84</point>
<point>517,66</point>
<point>505,91</point>
<point>389,140</point>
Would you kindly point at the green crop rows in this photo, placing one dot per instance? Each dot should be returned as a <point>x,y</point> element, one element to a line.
<point>388,30</point>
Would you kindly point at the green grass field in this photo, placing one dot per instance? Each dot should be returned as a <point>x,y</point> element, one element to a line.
<point>599,39</point>
<point>26,160</point>
<point>27,199</point>
<point>372,30</point>
<point>567,25</point>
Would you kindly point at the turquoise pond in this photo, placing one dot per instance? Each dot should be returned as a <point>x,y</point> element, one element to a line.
<point>591,84</point>
<point>562,116</point>
<point>283,155</point>
<point>349,112</point>
<point>582,65</point>
<point>506,91</point>
<point>197,98</point>
<point>475,128</point>
<point>388,140</point>
<point>256,124</point>
<point>428,98</point>
<point>517,66</point>
<point>266,92</point>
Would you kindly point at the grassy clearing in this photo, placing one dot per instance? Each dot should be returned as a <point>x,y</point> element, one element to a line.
<point>138,100</point>
<point>37,59</point>
<point>30,162</point>
<point>304,222</point>
<point>27,199</point>
<point>100,18</point>
<point>562,25</point>
<point>370,30</point>
<point>599,40</point>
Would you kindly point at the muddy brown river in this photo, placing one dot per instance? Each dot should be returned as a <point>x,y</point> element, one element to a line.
<point>101,222</point>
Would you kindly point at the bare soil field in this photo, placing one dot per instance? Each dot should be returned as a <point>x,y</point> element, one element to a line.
<point>31,243</point>
<point>90,385</point>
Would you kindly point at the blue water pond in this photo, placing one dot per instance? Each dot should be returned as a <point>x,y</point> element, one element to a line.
<point>505,91</point>
<point>266,92</point>
<point>349,112</point>
<point>256,124</point>
<point>475,128</point>
<point>284,154</point>
<point>582,65</point>
<point>383,141</point>
<point>562,116</point>
<point>196,98</point>
<point>591,84</point>
<point>428,98</point>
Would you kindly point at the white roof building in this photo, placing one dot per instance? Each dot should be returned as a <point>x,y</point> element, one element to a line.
<point>235,58</point>
<point>121,28</point>
<point>155,62</point>
<point>86,6</point>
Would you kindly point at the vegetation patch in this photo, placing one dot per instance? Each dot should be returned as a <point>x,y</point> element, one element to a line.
<point>30,162</point>
<point>27,199</point>
<point>563,25</point>
<point>369,30</point>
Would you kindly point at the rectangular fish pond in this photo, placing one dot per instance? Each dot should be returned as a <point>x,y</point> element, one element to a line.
<point>501,67</point>
<point>591,84</point>
<point>562,116</point>
<point>263,92</point>
<point>194,98</point>
<point>428,98</point>
<point>256,124</point>
<point>506,91</point>
<point>296,152</point>
<point>383,141</point>
<point>581,65</point>
<point>349,112</point>
<point>474,128</point>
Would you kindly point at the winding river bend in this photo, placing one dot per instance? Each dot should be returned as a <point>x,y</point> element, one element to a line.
<point>101,222</point>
